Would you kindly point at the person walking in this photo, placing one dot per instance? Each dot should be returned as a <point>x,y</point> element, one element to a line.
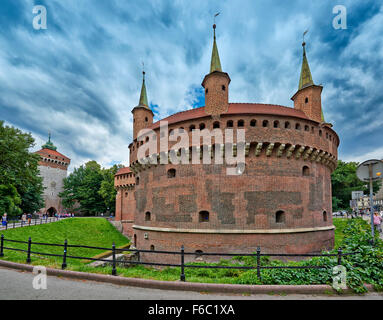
<point>378,221</point>
<point>29,217</point>
<point>23,218</point>
<point>4,220</point>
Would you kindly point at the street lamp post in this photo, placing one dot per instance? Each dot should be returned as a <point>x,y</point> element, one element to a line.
<point>370,170</point>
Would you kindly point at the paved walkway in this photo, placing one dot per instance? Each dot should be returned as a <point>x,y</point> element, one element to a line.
<point>19,224</point>
<point>17,285</point>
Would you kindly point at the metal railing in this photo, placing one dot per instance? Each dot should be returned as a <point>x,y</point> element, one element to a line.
<point>65,246</point>
<point>18,223</point>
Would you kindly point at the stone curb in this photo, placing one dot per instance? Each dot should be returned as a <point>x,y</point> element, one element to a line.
<point>185,286</point>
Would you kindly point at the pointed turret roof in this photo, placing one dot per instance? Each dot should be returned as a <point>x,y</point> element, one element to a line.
<point>305,78</point>
<point>215,64</point>
<point>143,97</point>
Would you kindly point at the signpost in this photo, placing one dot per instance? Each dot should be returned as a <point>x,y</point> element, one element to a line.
<point>370,171</point>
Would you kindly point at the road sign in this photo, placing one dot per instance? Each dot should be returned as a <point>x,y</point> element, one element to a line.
<point>363,170</point>
<point>355,195</point>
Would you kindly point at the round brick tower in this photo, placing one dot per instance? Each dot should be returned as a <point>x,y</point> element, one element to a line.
<point>282,200</point>
<point>53,168</point>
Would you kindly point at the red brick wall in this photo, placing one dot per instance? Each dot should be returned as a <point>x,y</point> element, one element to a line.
<point>312,108</point>
<point>216,86</point>
<point>139,119</point>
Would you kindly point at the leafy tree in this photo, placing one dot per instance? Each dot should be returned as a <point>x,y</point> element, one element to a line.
<point>344,180</point>
<point>91,187</point>
<point>107,190</point>
<point>19,172</point>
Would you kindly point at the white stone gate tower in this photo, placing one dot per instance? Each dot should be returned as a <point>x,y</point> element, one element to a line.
<point>53,169</point>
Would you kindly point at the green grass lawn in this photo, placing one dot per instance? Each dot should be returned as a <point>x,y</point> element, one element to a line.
<point>99,232</point>
<point>340,224</point>
<point>96,232</point>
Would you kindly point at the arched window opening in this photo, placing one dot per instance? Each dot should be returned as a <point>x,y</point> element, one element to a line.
<point>307,128</point>
<point>202,126</point>
<point>305,171</point>
<point>152,248</point>
<point>147,216</point>
<point>306,100</point>
<point>280,216</point>
<point>276,124</point>
<point>324,216</point>
<point>320,133</point>
<point>229,124</point>
<point>216,125</point>
<point>137,181</point>
<point>171,173</point>
<point>204,216</point>
<point>146,119</point>
<point>265,123</point>
<point>297,126</point>
<point>287,125</point>
<point>198,254</point>
<point>241,123</point>
<point>253,123</point>
<point>192,127</point>
<point>223,88</point>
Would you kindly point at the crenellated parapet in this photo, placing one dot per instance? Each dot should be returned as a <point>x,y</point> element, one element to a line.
<point>305,153</point>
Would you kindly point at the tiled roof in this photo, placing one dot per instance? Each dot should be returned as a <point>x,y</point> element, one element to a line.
<point>45,152</point>
<point>234,108</point>
<point>123,171</point>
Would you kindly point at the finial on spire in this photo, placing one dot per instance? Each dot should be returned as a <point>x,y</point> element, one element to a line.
<point>215,64</point>
<point>143,70</point>
<point>49,136</point>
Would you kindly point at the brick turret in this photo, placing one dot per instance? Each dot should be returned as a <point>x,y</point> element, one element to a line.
<point>308,96</point>
<point>142,114</point>
<point>216,85</point>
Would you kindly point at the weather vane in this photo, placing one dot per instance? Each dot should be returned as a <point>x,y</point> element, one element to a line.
<point>217,14</point>
<point>304,33</point>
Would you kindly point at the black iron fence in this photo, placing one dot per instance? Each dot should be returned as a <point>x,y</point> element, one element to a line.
<point>114,262</point>
<point>17,223</point>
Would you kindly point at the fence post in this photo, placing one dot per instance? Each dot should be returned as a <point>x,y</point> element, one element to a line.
<point>259,263</point>
<point>339,256</point>
<point>64,265</point>
<point>114,271</point>
<point>182,278</point>
<point>29,250</point>
<point>2,246</point>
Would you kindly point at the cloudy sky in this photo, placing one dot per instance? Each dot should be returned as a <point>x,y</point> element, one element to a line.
<point>81,77</point>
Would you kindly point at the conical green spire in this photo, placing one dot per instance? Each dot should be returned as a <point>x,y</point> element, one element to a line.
<point>49,144</point>
<point>305,78</point>
<point>215,62</point>
<point>143,97</point>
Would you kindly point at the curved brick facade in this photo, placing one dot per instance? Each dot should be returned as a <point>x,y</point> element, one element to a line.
<point>281,202</point>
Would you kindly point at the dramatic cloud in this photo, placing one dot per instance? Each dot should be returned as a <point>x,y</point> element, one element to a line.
<point>81,77</point>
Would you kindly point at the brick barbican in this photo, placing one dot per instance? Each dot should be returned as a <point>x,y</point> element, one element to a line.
<point>282,201</point>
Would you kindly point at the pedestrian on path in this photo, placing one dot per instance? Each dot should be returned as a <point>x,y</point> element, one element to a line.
<point>23,218</point>
<point>378,222</point>
<point>4,220</point>
<point>29,217</point>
